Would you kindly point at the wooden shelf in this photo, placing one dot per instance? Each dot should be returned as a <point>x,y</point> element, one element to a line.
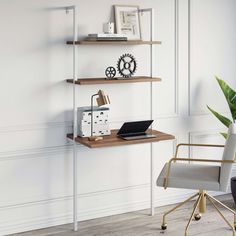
<point>131,42</point>
<point>90,81</point>
<point>113,140</point>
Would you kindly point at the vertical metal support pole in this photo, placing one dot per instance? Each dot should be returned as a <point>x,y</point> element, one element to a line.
<point>75,120</point>
<point>92,113</point>
<point>152,184</point>
<point>152,209</point>
<point>176,56</point>
<point>189,57</point>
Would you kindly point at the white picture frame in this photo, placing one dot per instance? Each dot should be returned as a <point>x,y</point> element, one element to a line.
<point>127,21</point>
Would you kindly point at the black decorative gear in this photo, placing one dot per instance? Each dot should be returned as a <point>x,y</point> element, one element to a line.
<point>126,65</point>
<point>110,72</point>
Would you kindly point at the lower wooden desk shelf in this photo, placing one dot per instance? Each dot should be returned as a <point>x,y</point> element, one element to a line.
<point>113,140</point>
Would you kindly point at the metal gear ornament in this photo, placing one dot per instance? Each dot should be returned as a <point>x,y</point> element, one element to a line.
<point>126,65</point>
<point>110,72</point>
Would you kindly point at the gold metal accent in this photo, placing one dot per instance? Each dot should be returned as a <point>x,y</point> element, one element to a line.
<point>199,145</point>
<point>192,159</point>
<point>217,209</point>
<point>202,195</point>
<point>176,158</point>
<point>220,203</point>
<point>194,145</point>
<point>202,204</point>
<point>102,98</point>
<point>194,209</point>
<point>176,207</point>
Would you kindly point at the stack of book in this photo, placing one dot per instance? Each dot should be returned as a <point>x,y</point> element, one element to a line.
<point>106,37</point>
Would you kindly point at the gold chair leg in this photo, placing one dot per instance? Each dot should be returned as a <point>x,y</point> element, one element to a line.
<point>227,222</point>
<point>164,224</point>
<point>194,209</point>
<point>201,204</point>
<point>220,203</point>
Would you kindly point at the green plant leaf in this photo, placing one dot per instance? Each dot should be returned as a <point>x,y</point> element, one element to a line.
<point>223,119</point>
<point>230,96</point>
<point>224,135</point>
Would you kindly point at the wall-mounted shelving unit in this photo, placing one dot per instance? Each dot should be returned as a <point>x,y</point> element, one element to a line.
<point>112,140</point>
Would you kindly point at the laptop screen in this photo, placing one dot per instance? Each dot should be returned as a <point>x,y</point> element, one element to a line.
<point>134,127</point>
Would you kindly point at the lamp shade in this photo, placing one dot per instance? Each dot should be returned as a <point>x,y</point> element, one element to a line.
<point>102,98</point>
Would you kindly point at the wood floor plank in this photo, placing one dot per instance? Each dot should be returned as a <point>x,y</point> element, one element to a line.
<point>141,224</point>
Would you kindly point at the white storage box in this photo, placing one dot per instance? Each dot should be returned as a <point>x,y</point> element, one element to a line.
<point>100,121</point>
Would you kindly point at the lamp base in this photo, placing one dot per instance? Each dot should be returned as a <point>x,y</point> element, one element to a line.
<point>95,138</point>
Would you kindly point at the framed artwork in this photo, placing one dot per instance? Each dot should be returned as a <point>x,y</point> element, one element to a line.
<point>127,20</point>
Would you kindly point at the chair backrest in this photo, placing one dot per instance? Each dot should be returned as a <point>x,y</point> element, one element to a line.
<point>229,154</point>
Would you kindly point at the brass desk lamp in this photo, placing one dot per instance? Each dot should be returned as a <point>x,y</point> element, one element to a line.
<point>101,101</point>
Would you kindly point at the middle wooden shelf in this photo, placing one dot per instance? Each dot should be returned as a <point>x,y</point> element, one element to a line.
<point>135,79</point>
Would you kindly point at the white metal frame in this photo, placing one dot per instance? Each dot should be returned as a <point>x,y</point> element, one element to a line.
<point>75,35</point>
<point>75,190</point>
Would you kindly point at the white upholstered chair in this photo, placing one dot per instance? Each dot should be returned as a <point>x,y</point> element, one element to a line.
<point>183,173</point>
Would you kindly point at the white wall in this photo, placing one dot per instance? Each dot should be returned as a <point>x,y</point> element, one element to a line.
<point>36,103</point>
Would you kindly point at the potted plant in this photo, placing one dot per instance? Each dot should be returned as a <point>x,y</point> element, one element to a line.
<point>230,96</point>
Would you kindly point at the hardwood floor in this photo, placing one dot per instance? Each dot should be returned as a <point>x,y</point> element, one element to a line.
<point>141,224</point>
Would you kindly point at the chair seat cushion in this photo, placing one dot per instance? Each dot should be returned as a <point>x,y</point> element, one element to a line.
<point>191,176</point>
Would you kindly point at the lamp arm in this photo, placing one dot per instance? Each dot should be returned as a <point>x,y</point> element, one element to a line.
<point>92,113</point>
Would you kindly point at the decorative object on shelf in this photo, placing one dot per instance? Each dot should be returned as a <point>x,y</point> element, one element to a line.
<point>110,72</point>
<point>106,37</point>
<point>101,101</point>
<point>101,121</point>
<point>126,65</point>
<point>108,28</point>
<point>127,20</point>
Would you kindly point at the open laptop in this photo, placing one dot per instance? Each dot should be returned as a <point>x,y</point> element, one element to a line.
<point>135,130</point>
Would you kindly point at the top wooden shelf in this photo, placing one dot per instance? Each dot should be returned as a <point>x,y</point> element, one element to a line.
<point>131,42</point>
